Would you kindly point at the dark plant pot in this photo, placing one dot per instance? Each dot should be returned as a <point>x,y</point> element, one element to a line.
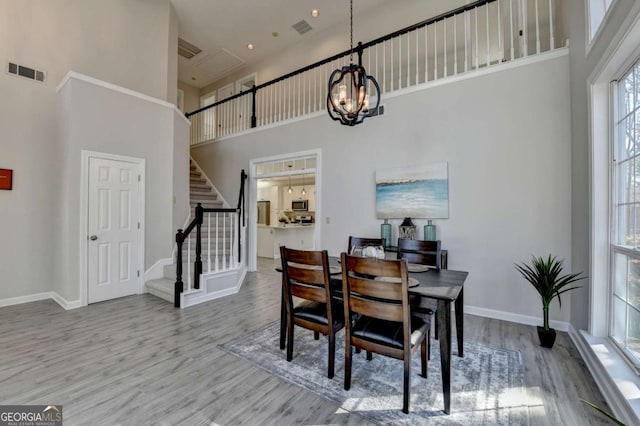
<point>547,338</point>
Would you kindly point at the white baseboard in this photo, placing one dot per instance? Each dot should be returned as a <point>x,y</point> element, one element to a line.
<point>517,318</point>
<point>41,296</point>
<point>25,299</point>
<point>611,373</point>
<point>74,304</point>
<point>156,271</point>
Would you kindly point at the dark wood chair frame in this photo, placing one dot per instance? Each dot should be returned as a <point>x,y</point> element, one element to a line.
<point>363,295</point>
<point>306,276</point>
<point>422,253</point>
<point>364,242</point>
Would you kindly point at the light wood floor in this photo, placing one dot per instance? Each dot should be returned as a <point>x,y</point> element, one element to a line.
<point>139,361</point>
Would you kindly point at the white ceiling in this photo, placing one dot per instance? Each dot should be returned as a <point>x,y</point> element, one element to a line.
<point>223,28</point>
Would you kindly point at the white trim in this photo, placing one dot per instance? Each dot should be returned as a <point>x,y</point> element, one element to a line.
<point>517,318</point>
<point>195,297</point>
<point>40,296</point>
<point>67,305</point>
<point>516,63</point>
<point>25,299</point>
<point>590,41</point>
<point>83,281</point>
<point>77,76</point>
<point>224,202</point>
<point>252,244</point>
<point>156,271</point>
<point>615,379</point>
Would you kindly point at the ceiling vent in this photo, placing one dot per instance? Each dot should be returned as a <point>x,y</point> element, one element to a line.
<point>187,49</point>
<point>302,27</point>
<point>26,72</point>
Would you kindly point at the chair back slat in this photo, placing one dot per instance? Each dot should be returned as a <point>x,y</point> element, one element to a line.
<point>421,252</point>
<point>376,289</point>
<point>308,292</point>
<point>376,309</point>
<point>305,274</point>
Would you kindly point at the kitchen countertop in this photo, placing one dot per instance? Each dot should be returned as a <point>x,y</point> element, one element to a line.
<point>288,226</point>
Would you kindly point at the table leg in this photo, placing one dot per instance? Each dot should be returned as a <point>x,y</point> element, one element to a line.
<point>459,308</point>
<point>283,318</point>
<point>444,325</point>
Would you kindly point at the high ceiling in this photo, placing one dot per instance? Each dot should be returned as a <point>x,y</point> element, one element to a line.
<point>224,28</point>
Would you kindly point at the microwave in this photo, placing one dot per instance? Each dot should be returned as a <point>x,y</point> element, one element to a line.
<point>300,205</point>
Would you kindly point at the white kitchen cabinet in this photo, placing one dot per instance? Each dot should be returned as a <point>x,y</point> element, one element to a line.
<point>265,241</point>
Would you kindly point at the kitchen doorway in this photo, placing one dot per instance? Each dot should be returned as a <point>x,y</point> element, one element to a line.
<point>288,188</point>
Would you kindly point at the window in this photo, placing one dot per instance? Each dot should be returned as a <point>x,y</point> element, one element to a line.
<point>597,10</point>
<point>624,327</point>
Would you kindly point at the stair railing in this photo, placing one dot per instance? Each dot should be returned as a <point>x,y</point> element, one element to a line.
<point>229,224</point>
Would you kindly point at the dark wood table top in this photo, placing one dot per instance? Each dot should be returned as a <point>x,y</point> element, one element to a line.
<point>443,284</point>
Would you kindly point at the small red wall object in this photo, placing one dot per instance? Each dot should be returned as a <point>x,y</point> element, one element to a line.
<point>6,178</point>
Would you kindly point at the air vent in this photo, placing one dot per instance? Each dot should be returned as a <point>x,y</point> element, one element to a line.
<point>187,49</point>
<point>26,72</point>
<point>302,27</point>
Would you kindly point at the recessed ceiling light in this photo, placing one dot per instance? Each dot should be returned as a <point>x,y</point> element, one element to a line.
<point>315,13</point>
<point>250,46</point>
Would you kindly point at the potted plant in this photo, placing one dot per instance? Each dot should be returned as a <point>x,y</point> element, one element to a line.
<point>545,276</point>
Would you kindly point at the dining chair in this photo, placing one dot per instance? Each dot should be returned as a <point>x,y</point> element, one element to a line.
<point>364,242</point>
<point>376,300</point>
<point>306,276</point>
<point>428,253</point>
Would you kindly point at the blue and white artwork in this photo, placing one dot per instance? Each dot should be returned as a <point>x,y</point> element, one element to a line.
<point>417,191</point>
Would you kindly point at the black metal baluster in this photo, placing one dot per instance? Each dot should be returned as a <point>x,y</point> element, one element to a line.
<point>179,286</point>
<point>197,269</point>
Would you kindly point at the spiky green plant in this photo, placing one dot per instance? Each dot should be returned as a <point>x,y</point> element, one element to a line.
<point>605,413</point>
<point>544,275</point>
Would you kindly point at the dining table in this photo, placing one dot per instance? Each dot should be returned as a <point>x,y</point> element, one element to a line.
<point>446,286</point>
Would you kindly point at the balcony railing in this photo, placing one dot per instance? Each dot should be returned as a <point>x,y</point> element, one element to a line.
<point>478,35</point>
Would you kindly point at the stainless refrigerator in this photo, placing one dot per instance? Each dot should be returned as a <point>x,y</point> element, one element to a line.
<point>264,212</point>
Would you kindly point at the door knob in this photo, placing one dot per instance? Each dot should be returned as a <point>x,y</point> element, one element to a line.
<point>93,237</point>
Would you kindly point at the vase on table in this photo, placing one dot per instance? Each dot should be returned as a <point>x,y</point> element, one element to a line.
<point>430,231</point>
<point>385,233</point>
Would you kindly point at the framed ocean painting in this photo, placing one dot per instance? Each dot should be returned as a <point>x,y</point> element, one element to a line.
<point>416,191</point>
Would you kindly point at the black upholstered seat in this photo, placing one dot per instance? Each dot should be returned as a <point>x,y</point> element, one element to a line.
<point>317,312</point>
<point>389,333</point>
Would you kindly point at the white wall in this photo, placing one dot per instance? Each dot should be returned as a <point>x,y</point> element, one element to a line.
<point>121,41</point>
<point>95,118</point>
<point>506,137</point>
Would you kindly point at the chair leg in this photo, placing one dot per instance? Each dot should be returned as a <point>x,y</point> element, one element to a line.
<point>290,326</point>
<point>423,355</point>
<point>429,345</point>
<point>435,332</point>
<point>332,354</point>
<point>358,350</point>
<point>407,383</point>
<point>316,335</point>
<point>369,356</point>
<point>347,366</point>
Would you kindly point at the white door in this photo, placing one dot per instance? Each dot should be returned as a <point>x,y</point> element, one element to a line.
<point>113,229</point>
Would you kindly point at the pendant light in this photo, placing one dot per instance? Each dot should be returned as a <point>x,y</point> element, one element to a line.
<point>348,95</point>
<point>304,191</point>
<point>290,190</point>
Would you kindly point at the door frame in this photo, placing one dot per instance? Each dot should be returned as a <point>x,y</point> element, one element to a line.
<point>252,253</point>
<point>84,217</point>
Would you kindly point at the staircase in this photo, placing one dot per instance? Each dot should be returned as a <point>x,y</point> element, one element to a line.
<point>200,191</point>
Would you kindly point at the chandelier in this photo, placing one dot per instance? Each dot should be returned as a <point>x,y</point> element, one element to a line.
<point>349,86</point>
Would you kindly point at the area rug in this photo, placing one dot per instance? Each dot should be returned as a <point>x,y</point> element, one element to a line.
<point>487,385</point>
